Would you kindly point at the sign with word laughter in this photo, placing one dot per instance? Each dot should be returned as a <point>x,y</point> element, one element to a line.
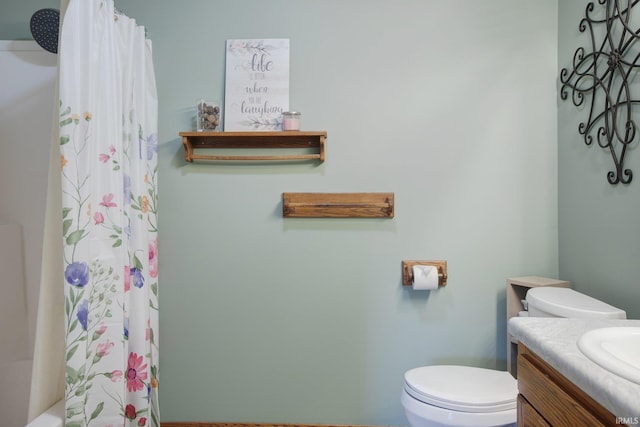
<point>256,84</point>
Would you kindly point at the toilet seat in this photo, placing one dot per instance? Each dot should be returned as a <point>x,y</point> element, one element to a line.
<point>462,388</point>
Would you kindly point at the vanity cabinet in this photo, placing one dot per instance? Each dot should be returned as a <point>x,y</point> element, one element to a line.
<point>547,398</point>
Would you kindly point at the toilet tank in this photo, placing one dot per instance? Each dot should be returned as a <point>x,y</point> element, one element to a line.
<point>565,302</point>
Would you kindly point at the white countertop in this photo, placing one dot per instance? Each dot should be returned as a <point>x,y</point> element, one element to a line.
<point>555,341</point>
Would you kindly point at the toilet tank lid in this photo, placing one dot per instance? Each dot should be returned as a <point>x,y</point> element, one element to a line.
<point>565,302</point>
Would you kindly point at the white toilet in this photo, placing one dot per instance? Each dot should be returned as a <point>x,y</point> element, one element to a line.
<point>463,396</point>
<point>565,302</point>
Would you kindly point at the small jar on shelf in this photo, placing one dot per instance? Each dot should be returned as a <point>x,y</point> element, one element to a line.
<point>291,120</point>
<point>207,116</point>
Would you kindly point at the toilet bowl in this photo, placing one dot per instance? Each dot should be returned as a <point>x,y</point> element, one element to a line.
<point>464,396</point>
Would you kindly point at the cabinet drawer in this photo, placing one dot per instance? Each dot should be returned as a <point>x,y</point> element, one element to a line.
<point>561,403</point>
<point>528,416</point>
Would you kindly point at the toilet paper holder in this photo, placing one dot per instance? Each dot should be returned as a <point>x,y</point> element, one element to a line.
<point>407,271</point>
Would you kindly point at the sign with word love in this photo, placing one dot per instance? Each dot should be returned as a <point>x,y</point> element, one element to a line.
<point>256,84</point>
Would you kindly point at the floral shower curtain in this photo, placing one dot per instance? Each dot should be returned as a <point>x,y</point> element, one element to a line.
<point>108,156</point>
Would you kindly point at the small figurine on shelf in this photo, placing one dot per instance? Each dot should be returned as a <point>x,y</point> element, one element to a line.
<point>207,116</point>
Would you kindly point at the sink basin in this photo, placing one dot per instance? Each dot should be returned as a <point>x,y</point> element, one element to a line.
<point>616,349</point>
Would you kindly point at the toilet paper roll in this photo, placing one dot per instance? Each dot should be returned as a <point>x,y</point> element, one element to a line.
<point>425,277</point>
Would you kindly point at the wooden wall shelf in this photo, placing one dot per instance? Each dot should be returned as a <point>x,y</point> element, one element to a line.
<point>338,205</point>
<point>299,140</point>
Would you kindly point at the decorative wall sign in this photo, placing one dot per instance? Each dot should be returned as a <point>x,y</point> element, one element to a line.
<point>604,74</point>
<point>256,84</point>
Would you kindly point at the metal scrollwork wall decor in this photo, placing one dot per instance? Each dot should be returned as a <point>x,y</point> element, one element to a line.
<point>605,75</point>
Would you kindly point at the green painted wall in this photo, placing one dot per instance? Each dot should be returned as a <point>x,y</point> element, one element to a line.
<point>451,105</point>
<point>599,231</point>
<point>14,21</point>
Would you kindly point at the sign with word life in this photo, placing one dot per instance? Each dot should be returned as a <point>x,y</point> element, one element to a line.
<point>256,84</point>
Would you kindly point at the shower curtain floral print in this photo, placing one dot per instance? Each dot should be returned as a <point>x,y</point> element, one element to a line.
<point>108,156</point>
